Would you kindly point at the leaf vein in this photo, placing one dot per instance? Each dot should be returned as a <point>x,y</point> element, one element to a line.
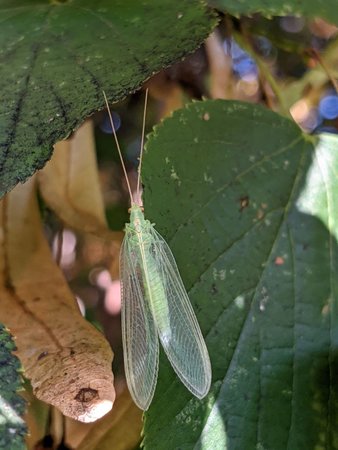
<point>236,178</point>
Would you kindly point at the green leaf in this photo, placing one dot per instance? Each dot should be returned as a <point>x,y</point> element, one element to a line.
<point>309,8</point>
<point>248,204</point>
<point>12,405</point>
<point>56,57</point>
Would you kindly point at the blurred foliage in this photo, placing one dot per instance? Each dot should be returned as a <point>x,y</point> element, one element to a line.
<point>268,8</point>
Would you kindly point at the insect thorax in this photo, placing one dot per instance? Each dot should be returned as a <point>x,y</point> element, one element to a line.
<point>139,234</point>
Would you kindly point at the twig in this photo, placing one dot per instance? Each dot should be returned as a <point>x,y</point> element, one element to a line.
<point>220,67</point>
<point>59,242</point>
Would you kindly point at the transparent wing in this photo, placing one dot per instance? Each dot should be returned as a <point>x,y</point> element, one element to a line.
<point>177,325</point>
<point>139,335</point>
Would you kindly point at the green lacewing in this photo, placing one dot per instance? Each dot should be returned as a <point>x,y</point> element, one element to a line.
<point>155,306</point>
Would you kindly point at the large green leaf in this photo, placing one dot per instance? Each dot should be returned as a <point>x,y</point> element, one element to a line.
<point>249,207</point>
<point>12,405</point>
<point>309,8</point>
<point>57,56</point>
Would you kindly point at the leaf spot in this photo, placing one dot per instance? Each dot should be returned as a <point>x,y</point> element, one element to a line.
<point>174,176</point>
<point>219,274</point>
<point>244,202</point>
<point>239,301</point>
<point>207,178</point>
<point>279,261</point>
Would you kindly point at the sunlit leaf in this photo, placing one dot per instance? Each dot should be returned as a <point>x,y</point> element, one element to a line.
<point>249,206</point>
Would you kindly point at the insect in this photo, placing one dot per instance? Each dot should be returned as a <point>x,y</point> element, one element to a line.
<point>155,306</point>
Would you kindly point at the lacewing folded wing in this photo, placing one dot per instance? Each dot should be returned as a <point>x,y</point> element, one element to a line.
<point>139,334</point>
<point>177,326</point>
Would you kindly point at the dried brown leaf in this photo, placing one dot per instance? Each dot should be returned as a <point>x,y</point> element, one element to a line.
<point>67,360</point>
<point>70,186</point>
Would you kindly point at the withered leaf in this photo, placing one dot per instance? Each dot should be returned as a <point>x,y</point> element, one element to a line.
<point>66,359</point>
<point>70,186</point>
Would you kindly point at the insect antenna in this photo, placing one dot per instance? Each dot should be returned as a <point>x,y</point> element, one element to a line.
<point>118,149</point>
<point>142,144</point>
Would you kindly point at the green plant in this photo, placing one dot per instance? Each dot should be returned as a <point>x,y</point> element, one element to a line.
<point>241,186</point>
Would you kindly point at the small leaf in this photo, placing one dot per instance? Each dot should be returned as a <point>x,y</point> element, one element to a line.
<point>12,405</point>
<point>249,206</point>
<point>303,8</point>
<point>57,56</point>
<point>67,360</point>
